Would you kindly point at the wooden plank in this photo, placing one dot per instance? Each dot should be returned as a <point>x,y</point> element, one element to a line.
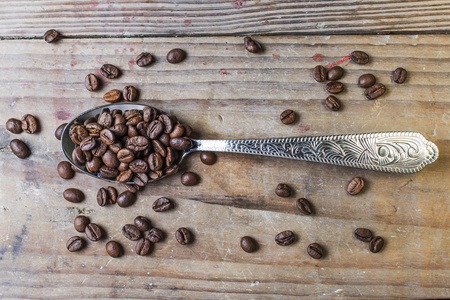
<point>225,92</point>
<point>81,18</point>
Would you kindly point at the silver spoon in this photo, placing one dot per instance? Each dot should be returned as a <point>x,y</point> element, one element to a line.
<point>398,152</point>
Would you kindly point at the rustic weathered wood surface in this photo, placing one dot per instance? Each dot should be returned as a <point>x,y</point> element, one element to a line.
<point>225,92</point>
<point>81,18</point>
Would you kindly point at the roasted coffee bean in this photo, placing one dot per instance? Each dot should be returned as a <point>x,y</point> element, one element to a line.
<point>138,166</point>
<point>75,243</point>
<point>119,130</point>
<point>130,113</point>
<point>73,195</point>
<point>288,117</point>
<point>126,199</point>
<point>123,167</point>
<point>149,114</point>
<point>78,156</point>
<point>110,159</point>
<point>112,195</point>
<point>109,71</point>
<point>183,236</point>
<point>283,190</point>
<point>88,155</point>
<point>359,57</point>
<point>155,162</point>
<point>143,247</point>
<point>375,91</point>
<point>132,188</point>
<point>355,186</point>
<point>187,130</point>
<point>140,179</point>
<point>176,56</point>
<point>100,149</point>
<point>171,157</point>
<point>252,45</point>
<point>136,119</point>
<point>65,170</point>
<point>112,96</point>
<point>334,87</point>
<point>91,120</point>
<point>118,119</point>
<point>94,129</point>
<point>178,131</point>
<point>332,103</point>
<point>181,143</point>
<point>88,143</point>
<point>319,73</point>
<point>315,250</point>
<point>116,147</point>
<point>129,93</point>
<point>335,73</point>
<point>77,133</point>
<point>132,131</point>
<point>285,238</point>
<point>248,244</point>
<point>114,249</point>
<point>137,143</point>
<point>51,36</point>
<point>108,172</point>
<point>14,126</point>
<point>159,148</point>
<point>102,197</point>
<point>20,149</point>
<point>164,139</point>
<point>93,232</point>
<point>142,128</point>
<point>162,204</point>
<point>125,155</point>
<point>91,82</point>
<point>363,234</point>
<point>144,59</point>
<point>105,119</point>
<point>208,158</point>
<point>376,244</point>
<point>80,223</point>
<point>131,232</point>
<point>169,171</point>
<point>189,179</point>
<point>93,165</point>
<point>142,223</point>
<point>399,75</point>
<point>125,176</point>
<point>59,131</point>
<point>167,122</point>
<point>304,206</point>
<point>155,129</point>
<point>29,124</point>
<point>366,80</point>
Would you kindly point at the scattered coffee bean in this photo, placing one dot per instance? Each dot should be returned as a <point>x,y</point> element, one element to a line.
<point>248,244</point>
<point>366,80</point>
<point>73,195</point>
<point>102,197</point>
<point>93,232</point>
<point>112,96</point>
<point>75,243</point>
<point>252,45</point>
<point>285,238</point>
<point>376,244</point>
<point>288,117</point>
<point>126,199</point>
<point>162,204</point>
<point>65,170</point>
<point>181,143</point>
<point>155,235</point>
<point>399,75</point>
<point>334,87</point>
<point>144,59</point>
<point>189,179</point>
<point>51,36</point>
<point>304,206</point>
<point>109,71</point>
<point>112,195</point>
<point>129,93</point>
<point>14,126</point>
<point>208,158</point>
<point>332,103</point>
<point>176,56</point>
<point>355,186</point>
<point>359,57</point>
<point>315,250</point>
<point>319,73</point>
<point>283,190</point>
<point>143,247</point>
<point>142,223</point>
<point>131,232</point>
<point>91,82</point>
<point>29,124</point>
<point>59,131</point>
<point>20,149</point>
<point>80,223</point>
<point>375,91</point>
<point>335,73</point>
<point>114,249</point>
<point>363,234</point>
<point>183,236</point>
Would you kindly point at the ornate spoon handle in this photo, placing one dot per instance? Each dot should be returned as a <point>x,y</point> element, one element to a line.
<point>400,152</point>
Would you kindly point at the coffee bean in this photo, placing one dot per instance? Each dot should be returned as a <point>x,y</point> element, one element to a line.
<point>137,143</point>
<point>93,165</point>
<point>283,190</point>
<point>376,244</point>
<point>142,223</point>
<point>91,82</point>
<point>125,155</point>
<point>176,56</point>
<point>108,172</point>
<point>304,206</point>
<point>181,143</point>
<point>132,188</point>
<point>75,243</point>
<point>144,59</point>
<point>51,36</point>
<point>155,129</point>
<point>65,170</point>
<point>94,129</point>
<point>399,75</point>
<point>59,131</point>
<point>375,91</point>
<point>14,126</point>
<point>208,158</point>
<point>149,114</point>
<point>131,232</point>
<point>155,235</point>
<point>110,159</point>
<point>167,122</point>
<point>112,195</point>
<point>315,250</point>
<point>20,149</point>
<point>178,131</point>
<point>319,73</point>
<point>171,157</point>
<point>105,119</point>
<point>80,223</point>
<point>114,249</point>
<point>100,149</point>
<point>335,73</point>
<point>109,71</point>
<point>334,87</point>
<point>189,179</point>
<point>102,197</point>
<point>143,247</point>
<point>355,186</point>
<point>73,195</point>
<point>126,199</point>
<point>123,167</point>
<point>88,143</point>
<point>366,80</point>
<point>129,93</point>
<point>112,96</point>
<point>93,232</point>
<point>78,156</point>
<point>288,117</point>
<point>159,148</point>
<point>169,171</point>
<point>77,133</point>
<point>252,45</point>
<point>332,103</point>
<point>183,236</point>
<point>140,179</point>
<point>187,130</point>
<point>248,244</point>
<point>285,238</point>
<point>29,124</point>
<point>125,176</point>
<point>165,139</point>
<point>363,234</point>
<point>162,204</point>
<point>155,162</point>
<point>138,166</point>
<point>359,57</point>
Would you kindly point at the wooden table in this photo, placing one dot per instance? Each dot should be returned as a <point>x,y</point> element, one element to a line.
<point>223,91</point>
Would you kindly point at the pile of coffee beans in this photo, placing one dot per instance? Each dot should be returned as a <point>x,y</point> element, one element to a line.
<point>376,243</point>
<point>93,232</point>
<point>28,124</point>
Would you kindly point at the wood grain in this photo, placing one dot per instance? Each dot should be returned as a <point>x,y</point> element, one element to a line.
<point>127,18</point>
<point>225,92</point>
